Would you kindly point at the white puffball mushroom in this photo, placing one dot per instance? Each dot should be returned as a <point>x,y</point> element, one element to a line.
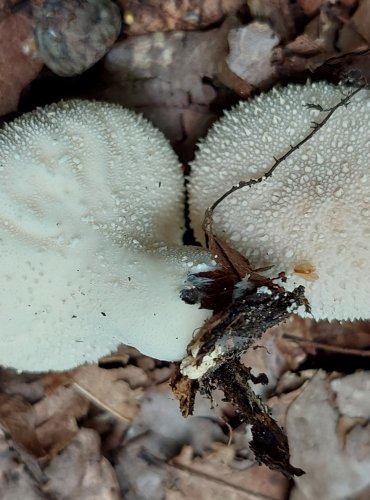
<point>116,170</point>
<point>311,218</point>
<point>91,219</point>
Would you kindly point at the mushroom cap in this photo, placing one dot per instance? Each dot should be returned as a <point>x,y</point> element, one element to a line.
<point>311,218</point>
<point>88,191</point>
<point>95,162</point>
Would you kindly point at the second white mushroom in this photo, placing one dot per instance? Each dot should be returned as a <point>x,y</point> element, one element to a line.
<point>311,218</point>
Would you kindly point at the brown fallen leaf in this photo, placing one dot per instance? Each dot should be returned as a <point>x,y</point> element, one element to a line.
<point>361,19</point>
<point>158,434</point>
<point>168,78</point>
<point>64,401</point>
<point>134,376</point>
<point>333,43</point>
<point>232,81</point>
<point>214,476</point>
<point>155,15</point>
<point>17,418</point>
<point>281,14</point>
<point>16,69</point>
<point>352,394</point>
<point>250,53</point>
<point>52,381</point>
<point>56,433</point>
<point>321,38</point>
<point>80,471</point>
<point>19,478</point>
<point>56,418</point>
<point>327,341</point>
<point>310,7</point>
<point>107,389</point>
<point>214,289</point>
<point>23,384</point>
<point>345,425</point>
<point>333,470</point>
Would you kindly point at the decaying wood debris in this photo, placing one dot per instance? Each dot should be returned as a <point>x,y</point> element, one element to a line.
<point>245,305</point>
<point>239,320</point>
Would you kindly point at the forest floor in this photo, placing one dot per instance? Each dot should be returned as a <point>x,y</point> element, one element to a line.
<point>114,430</point>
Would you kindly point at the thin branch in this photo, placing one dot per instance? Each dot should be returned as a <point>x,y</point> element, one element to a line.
<point>100,404</point>
<point>207,223</point>
<point>355,53</point>
<point>327,347</point>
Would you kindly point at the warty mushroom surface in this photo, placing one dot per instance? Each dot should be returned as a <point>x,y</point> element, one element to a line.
<point>311,218</point>
<point>91,220</point>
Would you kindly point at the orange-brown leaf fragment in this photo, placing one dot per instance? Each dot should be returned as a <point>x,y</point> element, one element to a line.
<point>185,390</point>
<point>52,381</point>
<point>228,258</point>
<point>233,262</point>
<point>306,270</point>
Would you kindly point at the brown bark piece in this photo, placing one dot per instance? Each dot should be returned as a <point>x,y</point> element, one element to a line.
<point>184,390</point>
<point>269,443</point>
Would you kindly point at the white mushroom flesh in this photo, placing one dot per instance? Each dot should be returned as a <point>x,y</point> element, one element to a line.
<point>87,193</point>
<point>93,163</point>
<point>311,219</point>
